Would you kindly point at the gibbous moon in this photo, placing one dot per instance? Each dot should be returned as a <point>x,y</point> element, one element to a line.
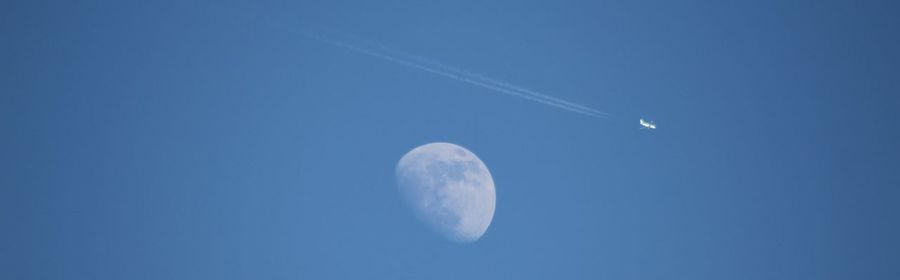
<point>449,189</point>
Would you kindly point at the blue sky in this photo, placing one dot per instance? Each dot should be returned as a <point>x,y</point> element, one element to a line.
<point>208,140</point>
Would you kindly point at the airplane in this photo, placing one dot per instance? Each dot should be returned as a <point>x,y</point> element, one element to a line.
<point>647,124</point>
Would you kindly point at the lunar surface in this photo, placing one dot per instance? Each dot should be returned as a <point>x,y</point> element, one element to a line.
<point>449,189</point>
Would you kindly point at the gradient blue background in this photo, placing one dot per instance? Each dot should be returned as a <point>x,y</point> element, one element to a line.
<point>207,140</point>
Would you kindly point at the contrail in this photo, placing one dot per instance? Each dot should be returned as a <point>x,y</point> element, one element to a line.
<point>457,74</point>
<point>499,83</point>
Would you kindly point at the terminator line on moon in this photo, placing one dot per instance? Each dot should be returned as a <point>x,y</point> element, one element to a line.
<point>449,188</point>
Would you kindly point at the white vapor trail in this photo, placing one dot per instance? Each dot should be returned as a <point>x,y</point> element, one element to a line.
<point>503,84</point>
<point>457,74</point>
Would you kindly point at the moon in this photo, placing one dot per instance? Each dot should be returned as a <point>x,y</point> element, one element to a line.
<point>449,188</point>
